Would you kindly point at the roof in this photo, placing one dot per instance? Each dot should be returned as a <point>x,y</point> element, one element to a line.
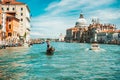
<point>13,3</point>
<point>74,28</point>
<point>108,31</point>
<point>117,31</point>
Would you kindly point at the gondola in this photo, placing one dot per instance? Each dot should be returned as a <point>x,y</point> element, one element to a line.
<point>50,51</point>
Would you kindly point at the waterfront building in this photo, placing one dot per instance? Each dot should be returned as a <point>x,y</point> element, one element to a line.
<point>61,37</point>
<point>0,25</point>
<point>81,24</point>
<point>71,34</point>
<point>103,31</point>
<point>102,37</point>
<point>99,32</point>
<point>22,13</point>
<point>12,28</point>
<point>95,32</point>
<point>76,34</point>
<point>0,15</point>
<point>116,37</point>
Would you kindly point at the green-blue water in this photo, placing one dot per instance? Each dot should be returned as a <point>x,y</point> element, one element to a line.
<point>71,61</point>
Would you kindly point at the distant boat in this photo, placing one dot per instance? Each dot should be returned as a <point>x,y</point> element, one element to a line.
<point>94,46</point>
<point>26,45</point>
<point>50,51</point>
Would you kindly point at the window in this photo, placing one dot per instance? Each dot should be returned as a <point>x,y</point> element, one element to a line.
<point>9,34</point>
<point>21,9</point>
<point>21,19</point>
<point>21,14</point>
<point>13,9</point>
<point>10,26</point>
<point>8,9</point>
<point>2,8</point>
<point>0,26</point>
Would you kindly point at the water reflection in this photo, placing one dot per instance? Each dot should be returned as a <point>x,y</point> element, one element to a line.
<point>49,56</point>
<point>11,66</point>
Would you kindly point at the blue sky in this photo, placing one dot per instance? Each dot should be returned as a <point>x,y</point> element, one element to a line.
<point>52,17</point>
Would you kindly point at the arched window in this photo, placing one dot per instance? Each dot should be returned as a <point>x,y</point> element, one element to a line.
<point>21,14</point>
<point>21,9</point>
<point>9,26</point>
<point>13,9</point>
<point>21,19</point>
<point>8,9</point>
<point>0,26</point>
<point>9,34</point>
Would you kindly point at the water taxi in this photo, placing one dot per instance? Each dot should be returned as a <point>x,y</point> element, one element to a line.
<point>94,46</point>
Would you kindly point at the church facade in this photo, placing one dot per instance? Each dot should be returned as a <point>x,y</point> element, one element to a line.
<point>75,34</point>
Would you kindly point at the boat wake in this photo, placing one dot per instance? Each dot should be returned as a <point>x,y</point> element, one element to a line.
<point>97,50</point>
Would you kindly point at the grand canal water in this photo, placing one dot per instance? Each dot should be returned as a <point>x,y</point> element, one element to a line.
<point>71,61</point>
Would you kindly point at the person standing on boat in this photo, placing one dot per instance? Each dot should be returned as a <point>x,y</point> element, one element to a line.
<point>48,44</point>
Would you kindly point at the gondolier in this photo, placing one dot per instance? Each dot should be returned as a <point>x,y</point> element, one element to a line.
<point>50,50</point>
<point>48,44</point>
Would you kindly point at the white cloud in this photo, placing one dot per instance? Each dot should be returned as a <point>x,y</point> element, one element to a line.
<point>106,15</point>
<point>68,5</point>
<point>52,26</point>
<point>36,34</point>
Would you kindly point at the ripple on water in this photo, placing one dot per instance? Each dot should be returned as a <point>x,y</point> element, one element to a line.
<point>71,61</point>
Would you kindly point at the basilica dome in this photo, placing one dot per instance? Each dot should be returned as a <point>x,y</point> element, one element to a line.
<point>81,22</point>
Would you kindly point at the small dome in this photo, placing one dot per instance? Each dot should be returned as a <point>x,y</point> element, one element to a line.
<point>81,22</point>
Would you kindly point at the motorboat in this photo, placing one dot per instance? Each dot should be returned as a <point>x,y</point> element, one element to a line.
<point>94,46</point>
<point>50,51</point>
